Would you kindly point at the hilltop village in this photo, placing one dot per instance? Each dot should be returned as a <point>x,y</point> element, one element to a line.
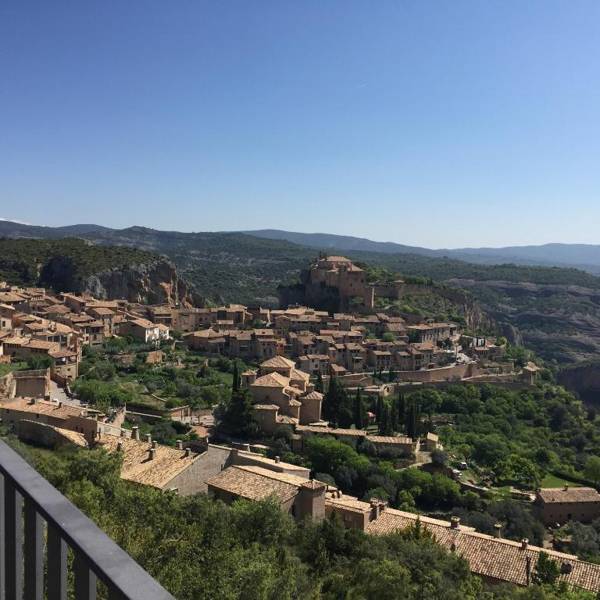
<point>293,381</point>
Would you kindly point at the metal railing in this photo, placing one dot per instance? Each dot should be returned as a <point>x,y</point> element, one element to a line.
<point>37,527</point>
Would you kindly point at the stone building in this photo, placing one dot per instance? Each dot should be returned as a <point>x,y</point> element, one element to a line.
<point>560,505</point>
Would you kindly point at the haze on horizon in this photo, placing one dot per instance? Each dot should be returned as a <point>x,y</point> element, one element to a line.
<point>441,125</point>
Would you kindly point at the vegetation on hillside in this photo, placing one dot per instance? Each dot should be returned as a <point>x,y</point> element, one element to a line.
<point>28,262</point>
<point>199,548</point>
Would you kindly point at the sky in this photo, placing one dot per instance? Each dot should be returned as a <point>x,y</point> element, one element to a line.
<point>438,123</point>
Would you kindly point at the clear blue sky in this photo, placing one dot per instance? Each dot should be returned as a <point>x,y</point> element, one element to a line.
<point>441,124</point>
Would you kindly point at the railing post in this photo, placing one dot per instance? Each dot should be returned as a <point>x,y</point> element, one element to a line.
<point>85,579</point>
<point>13,541</point>
<point>57,565</point>
<point>34,553</point>
<point>2,537</point>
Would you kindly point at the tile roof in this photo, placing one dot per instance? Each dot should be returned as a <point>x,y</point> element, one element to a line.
<point>500,559</point>
<point>570,494</point>
<point>44,407</point>
<point>256,483</point>
<point>271,380</point>
<point>139,468</point>
<point>389,439</point>
<point>278,362</point>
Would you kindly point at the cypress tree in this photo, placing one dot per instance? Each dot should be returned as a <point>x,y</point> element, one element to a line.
<point>359,411</point>
<point>319,387</point>
<point>379,408</point>
<point>412,419</point>
<point>331,401</point>
<point>394,416</point>
<point>385,427</point>
<point>236,377</point>
<point>401,411</point>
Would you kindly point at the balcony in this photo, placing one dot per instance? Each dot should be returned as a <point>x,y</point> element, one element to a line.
<point>39,528</point>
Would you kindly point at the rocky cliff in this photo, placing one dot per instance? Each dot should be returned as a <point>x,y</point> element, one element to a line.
<point>156,282</point>
<point>584,380</point>
<point>558,322</point>
<point>107,272</point>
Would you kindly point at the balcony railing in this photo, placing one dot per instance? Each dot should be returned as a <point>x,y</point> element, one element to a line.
<point>37,527</point>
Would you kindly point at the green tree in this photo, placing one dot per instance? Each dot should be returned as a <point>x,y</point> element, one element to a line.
<point>546,571</point>
<point>394,422</point>
<point>319,386</point>
<point>238,415</point>
<point>412,419</point>
<point>360,417</point>
<point>592,469</point>
<point>235,386</point>
<point>385,423</point>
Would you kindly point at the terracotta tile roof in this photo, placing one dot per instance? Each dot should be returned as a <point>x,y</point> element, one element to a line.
<point>314,395</point>
<point>500,559</point>
<point>254,456</point>
<point>331,431</point>
<point>570,494</point>
<point>73,436</point>
<point>299,375</point>
<point>388,439</point>
<point>271,380</point>
<point>44,407</point>
<point>278,362</point>
<point>139,468</point>
<point>256,483</point>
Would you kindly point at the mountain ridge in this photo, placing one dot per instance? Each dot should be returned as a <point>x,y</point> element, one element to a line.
<point>582,256</point>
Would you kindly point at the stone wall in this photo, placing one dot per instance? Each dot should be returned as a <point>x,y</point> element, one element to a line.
<point>207,465</point>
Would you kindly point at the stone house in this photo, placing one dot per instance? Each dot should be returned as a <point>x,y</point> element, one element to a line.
<point>560,505</point>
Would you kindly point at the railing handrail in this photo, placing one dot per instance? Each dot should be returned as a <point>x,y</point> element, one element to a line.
<point>106,559</point>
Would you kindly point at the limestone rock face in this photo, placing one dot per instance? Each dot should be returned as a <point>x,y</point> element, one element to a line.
<point>156,282</point>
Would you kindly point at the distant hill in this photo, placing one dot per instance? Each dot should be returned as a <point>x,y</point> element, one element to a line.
<point>582,256</point>
<point>347,243</point>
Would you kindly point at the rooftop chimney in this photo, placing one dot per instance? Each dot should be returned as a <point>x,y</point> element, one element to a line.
<point>277,459</point>
<point>136,432</point>
<point>188,452</point>
<point>498,530</point>
<point>151,453</point>
<point>154,443</point>
<point>455,522</point>
<point>179,445</point>
<point>149,438</point>
<point>524,543</point>
<point>374,502</point>
<point>119,446</point>
<point>60,404</point>
<point>566,487</point>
